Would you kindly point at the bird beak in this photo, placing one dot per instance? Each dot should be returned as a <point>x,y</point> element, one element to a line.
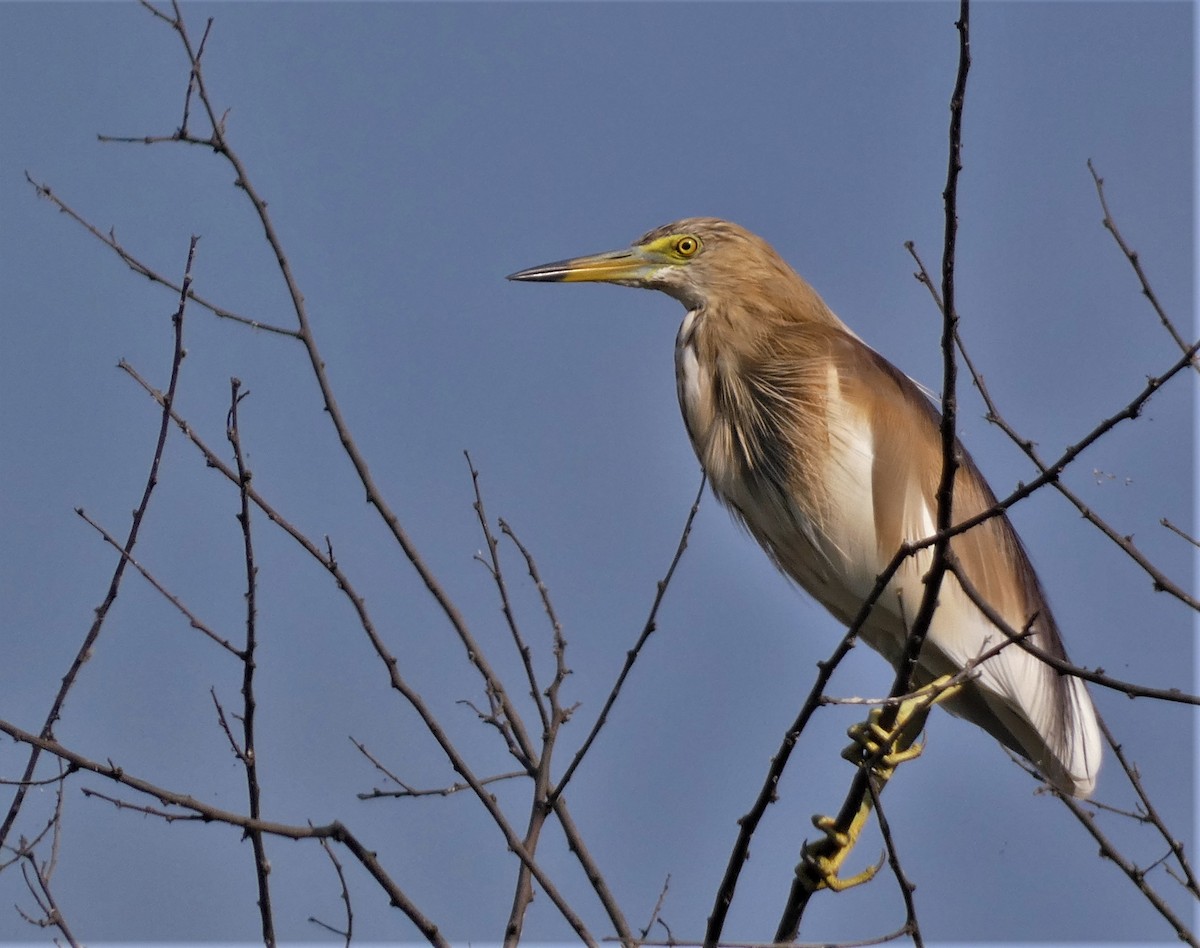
<point>632,266</point>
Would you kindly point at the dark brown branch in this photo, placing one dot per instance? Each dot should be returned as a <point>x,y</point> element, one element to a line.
<point>409,791</point>
<point>816,698</point>
<point>1061,665</point>
<point>174,600</point>
<point>510,618</point>
<point>346,933</point>
<point>199,810</point>
<point>1150,813</point>
<point>58,778</point>
<point>748,824</point>
<point>632,655</point>
<point>1135,261</point>
<point>249,757</point>
<point>551,714</point>
<point>306,335</point>
<point>93,634</point>
<point>1135,874</point>
<point>396,680</point>
<point>142,269</point>
<point>911,925</point>
<point>559,716</point>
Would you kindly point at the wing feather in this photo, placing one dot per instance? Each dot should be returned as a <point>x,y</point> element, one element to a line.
<point>1025,703</point>
<point>831,456</point>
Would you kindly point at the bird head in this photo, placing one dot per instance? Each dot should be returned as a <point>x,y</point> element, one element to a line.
<point>692,260</point>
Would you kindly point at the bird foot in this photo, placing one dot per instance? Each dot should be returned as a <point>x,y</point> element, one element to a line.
<point>881,750</point>
<point>823,858</point>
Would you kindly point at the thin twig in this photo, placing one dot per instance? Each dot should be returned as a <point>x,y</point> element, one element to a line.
<point>559,715</point>
<point>143,269</point>
<point>249,757</point>
<point>632,655</point>
<point>226,729</point>
<point>510,618</point>
<point>348,932</point>
<point>654,916</point>
<point>88,645</point>
<point>899,933</point>
<point>561,671</point>
<point>1136,875</point>
<point>902,881</point>
<point>1135,261</point>
<point>193,620</point>
<point>220,145</point>
<point>37,879</point>
<point>1176,530</point>
<point>1062,665</point>
<point>39,884</point>
<point>396,680</point>
<point>409,791</point>
<point>199,810</point>
<point>1151,814</point>
<point>767,794</point>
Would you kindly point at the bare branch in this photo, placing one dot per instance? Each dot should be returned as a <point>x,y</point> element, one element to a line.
<point>1176,530</point>
<point>199,810</point>
<point>174,600</point>
<point>911,925</point>
<point>143,269</point>
<point>1135,874</point>
<point>37,879</point>
<point>632,655</point>
<point>1078,671</point>
<point>89,640</point>
<point>1135,261</point>
<point>409,791</point>
<point>654,916</point>
<point>497,574</point>
<point>1151,814</point>
<point>560,645</point>
<point>396,680</point>
<point>249,759</point>
<point>348,932</point>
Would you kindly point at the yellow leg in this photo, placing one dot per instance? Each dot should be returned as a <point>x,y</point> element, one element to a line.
<point>879,751</point>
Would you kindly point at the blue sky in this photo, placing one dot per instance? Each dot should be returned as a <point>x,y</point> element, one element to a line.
<point>414,154</point>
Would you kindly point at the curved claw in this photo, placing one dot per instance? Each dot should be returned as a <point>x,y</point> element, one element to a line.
<point>823,868</point>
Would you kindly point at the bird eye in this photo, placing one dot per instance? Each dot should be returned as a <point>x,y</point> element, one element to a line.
<point>686,246</point>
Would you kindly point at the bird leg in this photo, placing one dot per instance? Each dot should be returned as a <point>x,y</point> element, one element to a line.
<point>877,750</point>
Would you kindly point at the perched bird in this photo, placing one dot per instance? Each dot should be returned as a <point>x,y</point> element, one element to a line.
<point>831,457</point>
